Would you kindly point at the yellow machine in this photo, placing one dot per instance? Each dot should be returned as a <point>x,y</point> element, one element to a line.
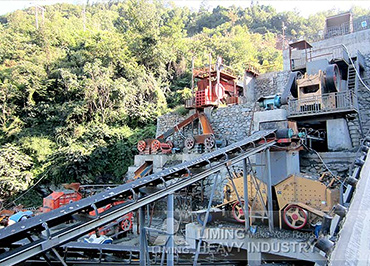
<point>300,199</point>
<point>317,91</point>
<point>311,89</point>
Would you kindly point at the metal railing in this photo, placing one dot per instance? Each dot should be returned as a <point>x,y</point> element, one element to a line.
<point>190,103</point>
<point>361,23</point>
<point>335,102</point>
<point>343,29</point>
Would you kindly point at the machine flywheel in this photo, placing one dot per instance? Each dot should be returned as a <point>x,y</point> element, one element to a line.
<point>295,217</point>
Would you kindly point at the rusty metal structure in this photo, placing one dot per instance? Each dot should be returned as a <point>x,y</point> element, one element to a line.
<point>162,143</point>
<point>216,84</point>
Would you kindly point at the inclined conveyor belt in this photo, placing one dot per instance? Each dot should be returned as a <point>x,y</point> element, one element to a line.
<point>42,227</point>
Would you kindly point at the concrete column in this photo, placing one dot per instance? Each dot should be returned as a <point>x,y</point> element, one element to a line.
<point>254,258</point>
<point>248,87</point>
<point>338,135</point>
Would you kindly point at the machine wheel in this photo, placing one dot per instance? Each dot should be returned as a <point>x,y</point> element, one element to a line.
<point>189,143</point>
<point>156,145</point>
<point>141,145</point>
<point>126,224</point>
<point>209,142</point>
<point>238,212</point>
<point>295,217</point>
<point>333,79</point>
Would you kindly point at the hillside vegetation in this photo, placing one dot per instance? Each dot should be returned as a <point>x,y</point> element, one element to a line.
<point>79,91</point>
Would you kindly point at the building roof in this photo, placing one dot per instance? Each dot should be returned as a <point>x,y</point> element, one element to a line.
<point>300,45</point>
<point>339,19</point>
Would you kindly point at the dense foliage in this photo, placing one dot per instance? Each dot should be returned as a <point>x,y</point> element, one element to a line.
<point>79,90</point>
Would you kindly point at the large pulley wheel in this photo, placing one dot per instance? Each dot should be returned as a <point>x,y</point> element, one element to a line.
<point>141,145</point>
<point>126,224</point>
<point>209,142</point>
<point>238,211</point>
<point>295,217</point>
<point>332,79</point>
<point>189,143</point>
<point>155,146</point>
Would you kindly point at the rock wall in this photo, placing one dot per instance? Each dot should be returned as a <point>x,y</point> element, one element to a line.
<point>168,121</point>
<point>271,83</point>
<point>232,123</point>
<point>364,97</point>
<point>338,162</point>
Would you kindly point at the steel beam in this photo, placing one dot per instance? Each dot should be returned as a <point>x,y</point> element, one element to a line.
<point>142,236</point>
<point>246,199</point>
<point>205,220</point>
<point>170,230</point>
<point>269,192</point>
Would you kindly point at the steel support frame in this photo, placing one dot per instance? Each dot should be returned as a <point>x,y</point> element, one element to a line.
<point>205,220</point>
<point>246,197</point>
<point>170,230</point>
<point>269,192</point>
<point>143,261</point>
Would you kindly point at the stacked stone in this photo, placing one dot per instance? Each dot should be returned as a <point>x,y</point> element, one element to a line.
<point>271,83</point>
<point>232,122</point>
<point>168,121</point>
<point>364,97</point>
<point>311,165</point>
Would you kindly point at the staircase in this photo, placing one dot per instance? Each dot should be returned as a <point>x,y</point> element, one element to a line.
<point>351,78</point>
<point>354,131</point>
<point>354,124</point>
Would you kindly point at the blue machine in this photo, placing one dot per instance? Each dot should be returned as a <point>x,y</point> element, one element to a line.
<point>270,102</point>
<point>19,216</point>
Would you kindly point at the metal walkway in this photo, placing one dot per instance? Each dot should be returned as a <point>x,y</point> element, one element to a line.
<point>40,233</point>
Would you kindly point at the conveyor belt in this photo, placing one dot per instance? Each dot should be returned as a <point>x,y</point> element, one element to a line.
<point>210,163</point>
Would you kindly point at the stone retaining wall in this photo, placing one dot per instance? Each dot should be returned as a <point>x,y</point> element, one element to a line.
<point>232,122</point>
<point>338,162</point>
<point>271,83</point>
<point>364,97</point>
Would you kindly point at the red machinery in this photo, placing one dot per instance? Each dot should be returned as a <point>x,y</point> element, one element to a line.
<point>152,146</point>
<point>125,222</point>
<point>72,193</point>
<point>216,85</point>
<point>59,198</point>
<point>220,88</point>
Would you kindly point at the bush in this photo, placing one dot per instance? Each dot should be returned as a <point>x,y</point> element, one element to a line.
<point>14,170</point>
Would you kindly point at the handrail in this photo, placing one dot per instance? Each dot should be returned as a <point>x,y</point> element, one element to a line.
<point>344,101</point>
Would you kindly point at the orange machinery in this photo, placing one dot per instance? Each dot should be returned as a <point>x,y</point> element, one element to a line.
<point>58,199</point>
<point>125,222</point>
<point>152,146</point>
